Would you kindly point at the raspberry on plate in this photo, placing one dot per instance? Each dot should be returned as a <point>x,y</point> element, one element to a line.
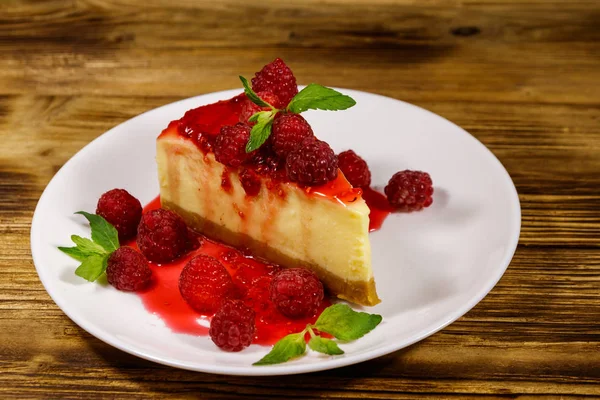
<point>232,328</point>
<point>122,210</point>
<point>354,168</point>
<point>277,78</point>
<point>204,284</point>
<point>230,145</point>
<point>312,163</point>
<point>162,236</point>
<point>410,190</point>
<point>249,108</point>
<point>288,132</point>
<point>296,292</point>
<point>128,270</point>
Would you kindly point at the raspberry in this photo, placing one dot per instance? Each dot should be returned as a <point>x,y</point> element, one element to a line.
<point>409,190</point>
<point>122,210</point>
<point>288,132</point>
<point>354,168</point>
<point>204,283</point>
<point>162,236</point>
<point>128,270</point>
<point>277,78</point>
<point>296,292</point>
<point>249,108</point>
<point>230,145</point>
<point>312,163</point>
<point>232,328</point>
<point>250,182</point>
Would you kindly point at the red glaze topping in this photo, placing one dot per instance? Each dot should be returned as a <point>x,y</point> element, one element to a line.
<point>202,124</point>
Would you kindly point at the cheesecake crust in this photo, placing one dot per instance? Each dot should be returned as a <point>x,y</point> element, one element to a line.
<point>360,292</point>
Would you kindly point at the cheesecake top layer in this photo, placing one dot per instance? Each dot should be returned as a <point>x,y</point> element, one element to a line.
<point>201,126</point>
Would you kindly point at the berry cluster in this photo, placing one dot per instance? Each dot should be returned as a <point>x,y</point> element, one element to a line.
<point>313,164</point>
<point>204,283</point>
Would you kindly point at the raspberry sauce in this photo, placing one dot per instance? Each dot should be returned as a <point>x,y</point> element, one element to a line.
<point>251,276</point>
<point>379,206</point>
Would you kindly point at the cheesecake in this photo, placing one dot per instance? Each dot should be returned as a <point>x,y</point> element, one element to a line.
<point>255,206</point>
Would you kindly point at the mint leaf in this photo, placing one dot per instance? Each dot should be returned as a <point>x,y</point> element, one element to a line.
<point>92,267</point>
<point>87,246</point>
<point>324,345</point>
<point>252,95</point>
<point>103,233</point>
<point>74,252</point>
<point>317,97</point>
<point>289,347</point>
<point>261,130</point>
<point>344,323</point>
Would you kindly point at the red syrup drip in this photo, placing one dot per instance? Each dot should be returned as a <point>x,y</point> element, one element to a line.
<point>338,189</point>
<point>251,276</point>
<point>379,206</point>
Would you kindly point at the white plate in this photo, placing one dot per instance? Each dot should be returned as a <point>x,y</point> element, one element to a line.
<point>431,267</point>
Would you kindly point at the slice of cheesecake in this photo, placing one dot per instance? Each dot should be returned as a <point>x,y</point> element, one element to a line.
<point>323,228</point>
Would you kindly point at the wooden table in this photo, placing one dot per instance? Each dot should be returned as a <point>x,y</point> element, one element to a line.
<point>523,77</point>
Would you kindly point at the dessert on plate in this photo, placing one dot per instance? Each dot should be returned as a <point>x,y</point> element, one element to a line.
<point>250,173</point>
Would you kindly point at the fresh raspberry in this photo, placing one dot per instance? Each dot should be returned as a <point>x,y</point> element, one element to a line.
<point>257,294</point>
<point>250,181</point>
<point>128,270</point>
<point>312,163</point>
<point>204,283</point>
<point>249,108</point>
<point>162,236</point>
<point>230,145</point>
<point>409,190</point>
<point>288,132</point>
<point>277,78</point>
<point>354,168</point>
<point>296,292</point>
<point>232,328</point>
<point>122,210</point>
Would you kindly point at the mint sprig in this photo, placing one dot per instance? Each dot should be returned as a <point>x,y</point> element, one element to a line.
<point>261,130</point>
<point>346,324</point>
<point>93,254</point>
<point>312,97</point>
<point>338,320</point>
<point>287,348</point>
<point>317,97</point>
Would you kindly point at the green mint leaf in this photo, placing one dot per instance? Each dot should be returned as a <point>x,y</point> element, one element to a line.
<point>317,97</point>
<point>74,252</point>
<point>255,117</point>
<point>261,130</point>
<point>87,246</point>
<point>289,347</point>
<point>252,95</point>
<point>92,267</point>
<point>103,233</point>
<point>344,323</point>
<point>324,345</point>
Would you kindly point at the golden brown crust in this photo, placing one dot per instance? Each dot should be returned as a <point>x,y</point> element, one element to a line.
<point>363,293</point>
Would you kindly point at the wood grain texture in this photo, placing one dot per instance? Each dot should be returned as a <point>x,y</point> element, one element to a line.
<point>521,76</point>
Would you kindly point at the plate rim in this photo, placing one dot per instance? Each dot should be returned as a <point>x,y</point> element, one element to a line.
<point>281,369</point>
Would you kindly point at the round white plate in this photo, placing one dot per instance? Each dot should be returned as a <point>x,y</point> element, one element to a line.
<point>431,267</point>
